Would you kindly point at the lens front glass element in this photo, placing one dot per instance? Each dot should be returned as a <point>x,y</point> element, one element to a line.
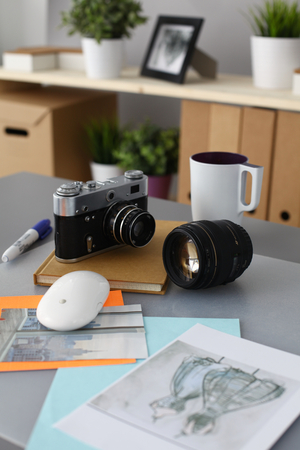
<point>138,229</point>
<point>186,258</point>
<point>127,224</point>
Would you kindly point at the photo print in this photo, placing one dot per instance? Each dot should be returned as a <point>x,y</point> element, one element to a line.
<point>171,48</point>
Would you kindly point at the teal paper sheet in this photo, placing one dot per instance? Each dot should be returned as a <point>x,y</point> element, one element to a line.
<point>74,386</point>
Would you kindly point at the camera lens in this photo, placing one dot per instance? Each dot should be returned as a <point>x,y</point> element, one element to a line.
<point>127,224</point>
<point>206,253</point>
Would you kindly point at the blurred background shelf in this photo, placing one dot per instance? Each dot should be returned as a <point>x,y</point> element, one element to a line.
<point>225,114</point>
<point>233,89</point>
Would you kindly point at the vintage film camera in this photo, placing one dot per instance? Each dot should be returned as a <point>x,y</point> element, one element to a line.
<point>97,216</point>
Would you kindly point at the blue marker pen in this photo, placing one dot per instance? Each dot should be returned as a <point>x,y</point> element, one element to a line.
<point>39,231</point>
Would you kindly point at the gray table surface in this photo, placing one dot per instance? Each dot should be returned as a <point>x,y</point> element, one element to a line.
<point>265,298</point>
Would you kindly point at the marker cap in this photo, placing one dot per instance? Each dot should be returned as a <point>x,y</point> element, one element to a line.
<point>43,228</point>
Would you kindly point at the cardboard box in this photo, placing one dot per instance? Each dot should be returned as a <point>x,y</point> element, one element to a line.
<point>42,130</point>
<point>257,143</point>
<point>285,184</point>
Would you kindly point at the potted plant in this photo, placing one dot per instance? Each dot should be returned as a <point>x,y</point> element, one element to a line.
<point>275,46</point>
<point>103,24</point>
<point>154,151</point>
<point>103,138</point>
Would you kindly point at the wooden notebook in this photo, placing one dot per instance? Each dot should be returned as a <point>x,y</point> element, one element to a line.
<point>126,268</point>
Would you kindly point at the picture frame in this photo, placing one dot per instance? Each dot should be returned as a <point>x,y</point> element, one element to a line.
<point>171,48</point>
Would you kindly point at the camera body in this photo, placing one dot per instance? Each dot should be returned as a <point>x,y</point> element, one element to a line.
<point>85,214</point>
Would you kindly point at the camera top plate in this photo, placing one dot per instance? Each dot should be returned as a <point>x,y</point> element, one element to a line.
<point>73,188</point>
<point>75,198</point>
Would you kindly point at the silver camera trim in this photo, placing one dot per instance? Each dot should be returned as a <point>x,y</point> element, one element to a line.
<point>94,198</point>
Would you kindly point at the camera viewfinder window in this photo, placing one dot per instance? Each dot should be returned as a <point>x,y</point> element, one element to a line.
<point>134,189</point>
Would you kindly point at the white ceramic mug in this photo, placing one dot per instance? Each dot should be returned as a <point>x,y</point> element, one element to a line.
<point>218,186</point>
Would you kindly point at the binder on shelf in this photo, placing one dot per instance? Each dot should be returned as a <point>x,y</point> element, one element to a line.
<point>257,143</point>
<point>224,128</point>
<point>205,127</point>
<point>194,128</point>
<point>285,192</point>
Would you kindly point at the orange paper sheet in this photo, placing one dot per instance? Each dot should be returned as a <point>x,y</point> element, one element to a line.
<point>31,301</point>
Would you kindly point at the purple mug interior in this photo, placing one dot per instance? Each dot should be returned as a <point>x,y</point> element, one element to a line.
<point>220,158</point>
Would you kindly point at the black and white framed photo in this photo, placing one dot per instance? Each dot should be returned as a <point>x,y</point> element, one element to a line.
<point>171,48</point>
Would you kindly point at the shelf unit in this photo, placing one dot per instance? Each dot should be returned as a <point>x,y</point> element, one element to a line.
<point>218,115</point>
<point>232,89</point>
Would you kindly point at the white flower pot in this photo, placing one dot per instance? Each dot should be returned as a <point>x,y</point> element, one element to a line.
<point>101,172</point>
<point>274,61</point>
<point>104,60</point>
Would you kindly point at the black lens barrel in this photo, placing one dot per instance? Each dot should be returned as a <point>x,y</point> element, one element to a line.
<point>224,252</point>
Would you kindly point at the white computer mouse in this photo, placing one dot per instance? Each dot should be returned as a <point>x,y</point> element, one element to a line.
<point>73,301</point>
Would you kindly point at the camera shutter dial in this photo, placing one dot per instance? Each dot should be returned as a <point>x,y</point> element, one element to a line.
<point>69,189</point>
<point>134,174</point>
<point>91,184</point>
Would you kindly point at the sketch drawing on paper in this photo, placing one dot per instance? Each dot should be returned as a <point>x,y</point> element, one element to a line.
<point>185,385</point>
<point>192,398</point>
<point>223,389</point>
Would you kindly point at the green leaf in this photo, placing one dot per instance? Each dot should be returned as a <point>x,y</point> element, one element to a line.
<point>102,19</point>
<point>149,148</point>
<point>103,137</point>
<point>275,18</point>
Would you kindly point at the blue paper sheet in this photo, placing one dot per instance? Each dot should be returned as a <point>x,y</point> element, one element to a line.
<point>74,386</point>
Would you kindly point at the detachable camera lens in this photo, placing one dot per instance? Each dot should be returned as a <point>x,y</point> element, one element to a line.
<point>128,224</point>
<point>206,253</point>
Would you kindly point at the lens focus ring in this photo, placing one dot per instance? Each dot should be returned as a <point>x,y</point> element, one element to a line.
<point>127,224</point>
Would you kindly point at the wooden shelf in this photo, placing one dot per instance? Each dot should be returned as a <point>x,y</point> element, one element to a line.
<point>232,89</point>
<point>225,114</point>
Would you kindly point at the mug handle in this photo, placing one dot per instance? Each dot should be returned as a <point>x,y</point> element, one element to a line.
<point>257,177</point>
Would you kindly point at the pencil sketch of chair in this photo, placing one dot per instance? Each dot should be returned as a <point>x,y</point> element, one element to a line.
<point>229,391</point>
<point>223,389</point>
<point>185,385</point>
